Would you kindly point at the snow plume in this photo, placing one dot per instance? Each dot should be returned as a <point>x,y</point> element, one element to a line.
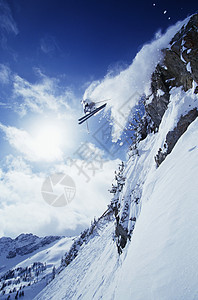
<point>126,88</point>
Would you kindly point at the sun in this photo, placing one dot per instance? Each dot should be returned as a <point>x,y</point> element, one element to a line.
<point>47,140</point>
<point>50,139</point>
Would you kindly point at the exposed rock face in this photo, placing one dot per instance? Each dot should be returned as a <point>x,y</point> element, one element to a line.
<point>157,107</point>
<point>179,68</point>
<point>122,235</point>
<point>182,125</point>
<point>173,136</point>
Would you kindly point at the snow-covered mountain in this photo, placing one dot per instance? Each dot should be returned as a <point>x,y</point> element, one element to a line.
<point>12,250</point>
<point>145,244</point>
<point>29,262</point>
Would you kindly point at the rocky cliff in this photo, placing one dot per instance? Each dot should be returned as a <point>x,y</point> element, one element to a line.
<point>178,69</point>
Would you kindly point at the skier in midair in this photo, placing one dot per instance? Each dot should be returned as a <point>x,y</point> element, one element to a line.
<point>88,106</point>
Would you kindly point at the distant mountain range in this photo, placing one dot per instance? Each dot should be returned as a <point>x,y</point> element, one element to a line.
<point>29,262</point>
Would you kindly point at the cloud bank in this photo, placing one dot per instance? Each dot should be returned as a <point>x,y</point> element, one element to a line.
<point>4,74</point>
<point>33,148</point>
<point>22,208</point>
<point>37,97</point>
<point>126,88</point>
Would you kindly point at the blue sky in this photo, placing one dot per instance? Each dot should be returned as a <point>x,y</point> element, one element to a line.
<point>80,40</point>
<point>52,53</point>
<point>73,43</point>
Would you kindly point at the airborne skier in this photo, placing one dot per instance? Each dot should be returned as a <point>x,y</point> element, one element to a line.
<point>90,109</point>
<point>88,105</point>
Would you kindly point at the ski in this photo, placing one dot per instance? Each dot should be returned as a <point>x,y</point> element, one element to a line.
<point>81,120</point>
<point>93,112</point>
<point>86,117</point>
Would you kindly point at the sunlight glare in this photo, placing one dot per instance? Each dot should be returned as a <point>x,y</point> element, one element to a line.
<point>48,140</point>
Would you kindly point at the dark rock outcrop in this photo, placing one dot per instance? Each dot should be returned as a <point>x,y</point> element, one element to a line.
<point>173,136</point>
<point>173,72</point>
<point>178,69</point>
<point>182,125</point>
<point>122,236</point>
<point>157,107</point>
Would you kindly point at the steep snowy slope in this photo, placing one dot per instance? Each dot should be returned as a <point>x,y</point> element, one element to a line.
<point>161,260</point>
<point>146,247</point>
<point>89,275</point>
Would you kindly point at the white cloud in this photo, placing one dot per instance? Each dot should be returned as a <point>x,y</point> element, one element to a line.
<point>41,96</point>
<point>4,74</point>
<point>39,148</point>
<point>7,26</point>
<point>22,207</point>
<point>37,97</point>
<point>125,89</point>
<point>44,96</point>
<point>7,22</point>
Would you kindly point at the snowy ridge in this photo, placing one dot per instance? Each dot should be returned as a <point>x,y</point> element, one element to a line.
<point>142,163</point>
<point>12,251</point>
<point>169,114</point>
<point>30,270</point>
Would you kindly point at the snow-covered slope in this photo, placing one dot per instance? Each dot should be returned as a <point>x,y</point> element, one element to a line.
<point>89,274</point>
<point>147,248</point>
<point>161,261</point>
<point>13,251</point>
<point>29,262</point>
